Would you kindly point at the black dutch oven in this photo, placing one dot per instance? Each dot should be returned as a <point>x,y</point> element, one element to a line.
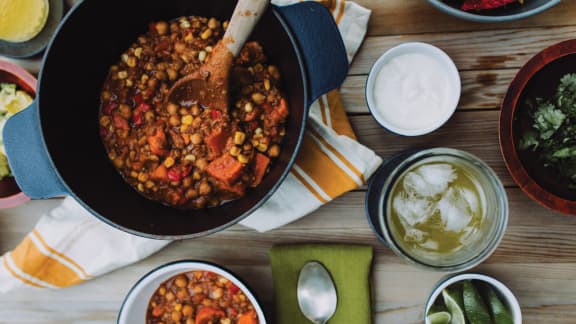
<point>54,147</point>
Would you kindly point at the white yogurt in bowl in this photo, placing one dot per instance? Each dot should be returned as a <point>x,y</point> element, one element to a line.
<point>413,89</point>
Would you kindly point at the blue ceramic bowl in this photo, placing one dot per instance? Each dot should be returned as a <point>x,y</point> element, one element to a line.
<point>529,8</point>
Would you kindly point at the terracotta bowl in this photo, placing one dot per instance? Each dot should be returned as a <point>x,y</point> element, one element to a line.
<point>539,78</point>
<point>10,194</point>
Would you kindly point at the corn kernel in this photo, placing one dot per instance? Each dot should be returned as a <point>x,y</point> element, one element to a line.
<point>132,61</point>
<point>225,24</point>
<point>196,175</point>
<point>124,57</point>
<point>208,49</point>
<point>140,187</point>
<point>190,157</point>
<point>184,24</point>
<point>239,138</point>
<point>262,147</point>
<point>242,158</point>
<point>149,184</point>
<point>258,98</point>
<point>134,174</point>
<point>178,307</point>
<point>187,119</point>
<point>138,52</point>
<point>143,177</point>
<point>202,56</point>
<point>169,162</point>
<point>258,131</point>
<point>205,34</point>
<point>266,84</point>
<point>235,151</point>
<point>213,23</point>
<point>122,75</point>
<point>129,83</point>
<point>255,143</point>
<point>248,107</point>
<point>282,131</point>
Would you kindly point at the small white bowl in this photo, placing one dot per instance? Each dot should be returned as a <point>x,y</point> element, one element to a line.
<point>418,48</point>
<point>135,305</point>
<point>508,298</point>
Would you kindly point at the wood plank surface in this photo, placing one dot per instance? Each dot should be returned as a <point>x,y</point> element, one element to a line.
<point>536,259</point>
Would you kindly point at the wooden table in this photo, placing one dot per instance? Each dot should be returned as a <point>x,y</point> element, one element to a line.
<point>537,257</point>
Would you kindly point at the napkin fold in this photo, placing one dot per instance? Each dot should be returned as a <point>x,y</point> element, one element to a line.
<point>69,246</point>
<point>349,266</point>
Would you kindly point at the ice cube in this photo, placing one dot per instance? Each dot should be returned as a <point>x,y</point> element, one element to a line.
<point>471,199</point>
<point>454,211</point>
<point>429,180</point>
<point>411,209</point>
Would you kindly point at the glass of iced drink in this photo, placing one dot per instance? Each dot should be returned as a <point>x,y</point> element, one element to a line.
<point>443,209</point>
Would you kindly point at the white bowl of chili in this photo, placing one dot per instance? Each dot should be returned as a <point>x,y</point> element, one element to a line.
<point>190,291</point>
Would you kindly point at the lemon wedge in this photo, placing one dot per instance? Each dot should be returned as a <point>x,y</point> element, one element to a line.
<point>22,20</point>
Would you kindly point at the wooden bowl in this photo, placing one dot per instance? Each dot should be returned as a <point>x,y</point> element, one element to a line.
<point>539,78</point>
<point>10,194</point>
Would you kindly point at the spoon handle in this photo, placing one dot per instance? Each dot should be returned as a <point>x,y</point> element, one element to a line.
<point>246,15</point>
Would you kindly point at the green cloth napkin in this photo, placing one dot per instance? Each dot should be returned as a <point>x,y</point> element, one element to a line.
<point>349,266</point>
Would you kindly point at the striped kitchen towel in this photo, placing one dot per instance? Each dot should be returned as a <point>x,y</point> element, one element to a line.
<point>69,245</point>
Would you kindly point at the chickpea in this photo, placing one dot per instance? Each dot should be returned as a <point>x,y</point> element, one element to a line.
<point>191,193</point>
<point>174,121</point>
<point>258,98</point>
<point>205,188</point>
<point>182,293</point>
<point>181,282</point>
<point>161,28</point>
<point>213,23</point>
<point>217,293</point>
<point>179,47</point>
<point>195,110</point>
<point>125,111</point>
<point>202,164</point>
<point>176,316</point>
<point>149,115</point>
<point>106,95</point>
<point>274,151</point>
<point>169,296</point>
<point>152,83</point>
<point>187,310</point>
<point>161,75</point>
<point>196,138</point>
<point>172,74</point>
<point>190,321</point>
<point>172,108</point>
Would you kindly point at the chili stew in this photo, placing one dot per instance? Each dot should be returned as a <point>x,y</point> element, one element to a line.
<point>188,155</point>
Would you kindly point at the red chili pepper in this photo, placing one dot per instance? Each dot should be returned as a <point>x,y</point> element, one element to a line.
<point>174,175</point>
<point>234,289</point>
<point>216,114</point>
<point>471,5</point>
<point>110,107</point>
<point>187,171</point>
<point>138,99</point>
<point>137,118</point>
<point>143,107</point>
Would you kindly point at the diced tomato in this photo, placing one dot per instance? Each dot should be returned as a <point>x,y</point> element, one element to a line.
<point>248,318</point>
<point>137,118</point>
<point>157,142</point>
<point>174,175</point>
<point>120,123</point>
<point>261,163</point>
<point>225,169</point>
<point>110,107</point>
<point>143,107</point>
<point>215,114</point>
<point>208,315</point>
<point>216,142</point>
<point>160,173</point>
<point>280,112</point>
<point>233,288</point>
<point>157,311</point>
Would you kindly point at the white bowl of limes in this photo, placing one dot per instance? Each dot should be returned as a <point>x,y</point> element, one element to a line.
<point>472,298</point>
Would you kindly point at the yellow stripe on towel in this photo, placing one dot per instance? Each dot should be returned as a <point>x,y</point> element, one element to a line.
<point>72,264</point>
<point>16,275</point>
<point>341,7</point>
<point>338,155</point>
<point>32,261</point>
<point>340,121</point>
<point>323,170</point>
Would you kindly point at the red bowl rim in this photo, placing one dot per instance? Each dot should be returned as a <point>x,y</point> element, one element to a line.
<point>505,134</point>
<point>31,82</point>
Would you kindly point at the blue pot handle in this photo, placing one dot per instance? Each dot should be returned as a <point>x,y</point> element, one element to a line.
<point>28,156</point>
<point>321,46</point>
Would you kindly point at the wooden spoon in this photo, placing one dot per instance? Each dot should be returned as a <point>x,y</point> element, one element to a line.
<point>209,84</point>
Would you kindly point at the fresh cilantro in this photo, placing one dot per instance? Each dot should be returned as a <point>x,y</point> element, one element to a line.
<point>553,129</point>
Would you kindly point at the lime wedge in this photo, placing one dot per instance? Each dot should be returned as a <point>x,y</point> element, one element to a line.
<point>474,307</point>
<point>453,300</point>
<point>500,313</point>
<point>440,318</point>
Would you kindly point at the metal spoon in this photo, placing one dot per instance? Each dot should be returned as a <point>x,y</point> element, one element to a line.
<point>316,293</point>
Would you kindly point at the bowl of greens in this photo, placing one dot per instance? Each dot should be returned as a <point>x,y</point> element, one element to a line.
<point>17,90</point>
<point>493,10</point>
<point>538,128</point>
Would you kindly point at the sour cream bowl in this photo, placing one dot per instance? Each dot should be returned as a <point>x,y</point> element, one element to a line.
<point>413,89</point>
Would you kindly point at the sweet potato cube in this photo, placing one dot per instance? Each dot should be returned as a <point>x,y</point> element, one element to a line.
<point>261,163</point>
<point>225,169</point>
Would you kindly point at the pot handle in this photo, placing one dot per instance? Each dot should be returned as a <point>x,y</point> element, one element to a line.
<point>28,156</point>
<point>321,46</point>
